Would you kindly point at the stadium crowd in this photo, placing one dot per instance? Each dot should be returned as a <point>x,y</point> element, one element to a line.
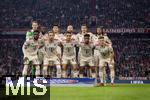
<point>110,13</point>
<point>132,57</point>
<point>10,56</point>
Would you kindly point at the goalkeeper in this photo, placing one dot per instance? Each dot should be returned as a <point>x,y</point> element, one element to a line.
<point>29,35</point>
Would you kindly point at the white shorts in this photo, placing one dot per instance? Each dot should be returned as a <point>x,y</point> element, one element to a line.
<point>96,59</point>
<point>104,62</point>
<point>40,56</point>
<point>86,61</point>
<point>33,59</point>
<point>66,60</point>
<point>51,61</point>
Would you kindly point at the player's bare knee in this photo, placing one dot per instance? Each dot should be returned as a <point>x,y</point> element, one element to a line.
<point>81,69</point>
<point>75,67</point>
<point>93,69</point>
<point>111,67</point>
<point>64,67</point>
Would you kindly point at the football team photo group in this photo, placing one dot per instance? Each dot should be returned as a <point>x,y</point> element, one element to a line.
<point>51,53</point>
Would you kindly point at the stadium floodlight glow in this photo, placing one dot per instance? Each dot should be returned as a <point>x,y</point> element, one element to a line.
<point>21,84</point>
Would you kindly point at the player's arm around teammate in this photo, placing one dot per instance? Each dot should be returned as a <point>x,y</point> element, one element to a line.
<point>105,58</point>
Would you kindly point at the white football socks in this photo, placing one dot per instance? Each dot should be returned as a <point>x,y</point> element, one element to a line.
<point>24,72</point>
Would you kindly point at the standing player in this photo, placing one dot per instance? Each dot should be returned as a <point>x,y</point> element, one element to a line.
<point>52,55</point>
<point>44,31</point>
<point>57,33</point>
<point>106,57</point>
<point>101,32</point>
<point>71,30</point>
<point>30,50</point>
<point>86,53</point>
<point>35,27</point>
<point>69,55</point>
<point>29,34</point>
<point>84,30</point>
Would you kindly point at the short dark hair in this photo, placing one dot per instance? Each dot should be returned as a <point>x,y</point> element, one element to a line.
<point>55,25</point>
<point>68,32</point>
<point>50,32</point>
<point>84,25</point>
<point>100,37</point>
<point>87,35</point>
<point>36,32</point>
<point>35,22</point>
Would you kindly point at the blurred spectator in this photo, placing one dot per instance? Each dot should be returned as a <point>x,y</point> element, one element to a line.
<point>109,13</point>
<point>10,56</point>
<point>132,56</point>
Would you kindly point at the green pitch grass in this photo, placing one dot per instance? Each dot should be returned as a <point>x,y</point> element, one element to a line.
<point>116,92</point>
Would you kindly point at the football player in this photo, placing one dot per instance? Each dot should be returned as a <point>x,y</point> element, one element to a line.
<point>69,55</point>
<point>106,57</point>
<point>86,53</point>
<point>30,49</point>
<point>52,55</point>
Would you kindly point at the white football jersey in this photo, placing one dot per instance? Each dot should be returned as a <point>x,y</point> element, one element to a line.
<point>86,50</point>
<point>31,47</point>
<point>52,48</point>
<point>104,52</point>
<point>69,48</point>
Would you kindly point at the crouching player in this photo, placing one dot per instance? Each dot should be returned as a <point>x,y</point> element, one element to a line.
<point>86,53</point>
<point>106,57</point>
<point>30,49</point>
<point>69,55</point>
<point>52,55</point>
